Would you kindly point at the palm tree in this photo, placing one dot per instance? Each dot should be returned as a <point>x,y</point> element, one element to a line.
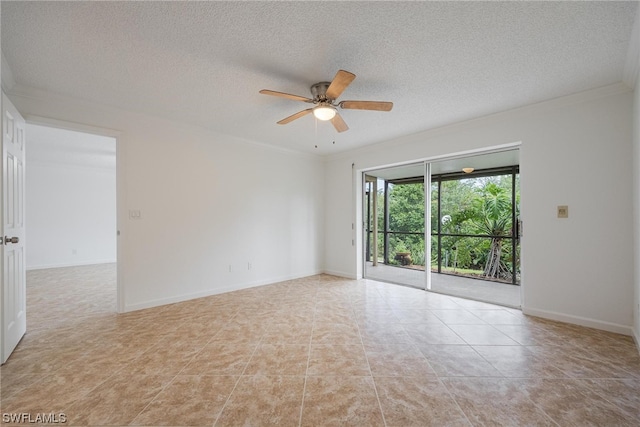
<point>494,218</point>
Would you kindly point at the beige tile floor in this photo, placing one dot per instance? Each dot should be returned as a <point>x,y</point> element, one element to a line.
<point>480,290</point>
<point>310,352</point>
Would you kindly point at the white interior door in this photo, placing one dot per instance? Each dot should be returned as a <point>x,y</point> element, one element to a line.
<point>14,303</point>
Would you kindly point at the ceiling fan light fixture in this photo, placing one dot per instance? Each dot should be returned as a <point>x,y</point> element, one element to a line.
<point>324,112</point>
<point>324,101</point>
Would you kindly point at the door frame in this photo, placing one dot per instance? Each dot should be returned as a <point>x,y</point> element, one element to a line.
<point>359,214</point>
<point>120,187</point>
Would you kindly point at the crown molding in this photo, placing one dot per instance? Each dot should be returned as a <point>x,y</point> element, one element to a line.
<point>40,95</point>
<point>530,109</point>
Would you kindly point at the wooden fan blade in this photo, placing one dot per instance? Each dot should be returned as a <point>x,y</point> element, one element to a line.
<point>367,105</point>
<point>285,95</point>
<point>339,123</point>
<point>295,116</point>
<point>339,83</point>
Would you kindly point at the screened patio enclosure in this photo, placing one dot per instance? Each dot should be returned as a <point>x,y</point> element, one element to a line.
<point>473,227</point>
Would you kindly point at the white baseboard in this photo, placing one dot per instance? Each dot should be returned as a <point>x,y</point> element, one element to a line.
<point>582,321</point>
<point>636,338</point>
<point>74,264</point>
<point>180,298</point>
<point>340,274</point>
<point>216,291</point>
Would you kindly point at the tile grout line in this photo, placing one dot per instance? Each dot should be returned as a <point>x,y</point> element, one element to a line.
<point>538,406</point>
<point>466,417</point>
<point>238,380</point>
<point>168,382</point>
<point>604,396</point>
<point>438,377</point>
<point>306,372</point>
<point>375,387</point>
<point>154,398</point>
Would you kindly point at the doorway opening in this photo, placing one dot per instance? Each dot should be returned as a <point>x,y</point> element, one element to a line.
<point>470,246</point>
<point>71,219</point>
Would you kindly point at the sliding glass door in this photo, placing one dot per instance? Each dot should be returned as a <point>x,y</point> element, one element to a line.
<point>467,244</point>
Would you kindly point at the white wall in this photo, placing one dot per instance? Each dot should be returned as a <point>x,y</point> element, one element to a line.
<point>574,151</point>
<point>70,216</point>
<point>636,206</point>
<point>207,202</point>
<point>70,200</point>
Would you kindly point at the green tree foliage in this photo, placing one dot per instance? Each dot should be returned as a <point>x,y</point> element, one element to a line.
<point>406,207</point>
<point>457,203</point>
<point>406,215</point>
<point>493,217</point>
<point>472,206</point>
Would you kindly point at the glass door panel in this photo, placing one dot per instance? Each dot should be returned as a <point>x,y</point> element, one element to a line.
<point>475,252</point>
<point>398,197</point>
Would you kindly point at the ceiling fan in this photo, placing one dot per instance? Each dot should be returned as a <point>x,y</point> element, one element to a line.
<point>324,99</point>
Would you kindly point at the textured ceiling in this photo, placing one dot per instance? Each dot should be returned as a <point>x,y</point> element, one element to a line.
<point>204,62</point>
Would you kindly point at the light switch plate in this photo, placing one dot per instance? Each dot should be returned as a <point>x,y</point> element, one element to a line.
<point>563,211</point>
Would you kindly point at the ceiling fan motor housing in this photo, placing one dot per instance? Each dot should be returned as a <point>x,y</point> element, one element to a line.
<point>319,91</point>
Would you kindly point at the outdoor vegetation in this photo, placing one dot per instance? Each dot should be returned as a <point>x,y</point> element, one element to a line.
<point>471,236</point>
